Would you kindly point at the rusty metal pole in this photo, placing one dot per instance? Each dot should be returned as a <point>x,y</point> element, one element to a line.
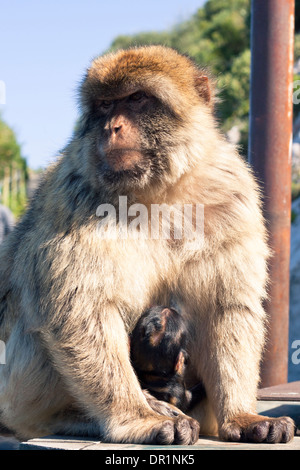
<point>272,46</point>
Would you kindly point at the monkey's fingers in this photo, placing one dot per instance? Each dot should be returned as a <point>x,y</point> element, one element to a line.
<point>255,428</point>
<point>162,407</point>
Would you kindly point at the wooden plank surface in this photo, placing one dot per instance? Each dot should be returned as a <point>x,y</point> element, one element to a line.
<point>283,392</point>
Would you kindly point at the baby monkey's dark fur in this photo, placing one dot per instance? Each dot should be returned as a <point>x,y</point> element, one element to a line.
<point>159,357</point>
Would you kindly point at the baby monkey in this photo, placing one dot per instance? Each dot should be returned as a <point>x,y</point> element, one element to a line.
<point>159,357</point>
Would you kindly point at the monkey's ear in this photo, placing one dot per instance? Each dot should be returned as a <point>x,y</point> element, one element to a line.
<point>203,87</point>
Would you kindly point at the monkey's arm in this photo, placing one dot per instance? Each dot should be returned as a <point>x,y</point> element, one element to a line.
<point>229,346</point>
<point>90,351</point>
<point>233,379</point>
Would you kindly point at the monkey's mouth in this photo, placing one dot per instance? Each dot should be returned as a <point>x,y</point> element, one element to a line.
<point>123,159</point>
<point>124,167</point>
<point>131,167</point>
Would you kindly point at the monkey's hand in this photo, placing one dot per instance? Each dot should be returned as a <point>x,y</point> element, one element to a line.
<point>162,407</point>
<point>256,428</point>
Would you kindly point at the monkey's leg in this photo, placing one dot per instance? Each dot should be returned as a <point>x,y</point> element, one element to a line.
<point>92,356</point>
<point>31,391</point>
<point>71,421</point>
<point>231,372</point>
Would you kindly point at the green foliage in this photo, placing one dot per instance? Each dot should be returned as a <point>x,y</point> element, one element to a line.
<point>217,36</point>
<point>297,45</point>
<point>9,148</point>
<point>226,25</point>
<point>295,190</point>
<point>124,42</point>
<point>296,95</point>
<point>13,171</point>
<point>235,89</point>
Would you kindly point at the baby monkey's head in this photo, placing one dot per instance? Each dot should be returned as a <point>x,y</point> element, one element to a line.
<point>158,343</point>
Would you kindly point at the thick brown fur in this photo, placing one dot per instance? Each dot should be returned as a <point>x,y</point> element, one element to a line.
<point>70,296</point>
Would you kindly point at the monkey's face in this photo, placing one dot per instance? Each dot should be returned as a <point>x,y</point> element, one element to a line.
<point>133,141</point>
<point>136,116</point>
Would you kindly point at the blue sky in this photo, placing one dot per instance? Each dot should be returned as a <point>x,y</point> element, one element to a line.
<point>45,46</point>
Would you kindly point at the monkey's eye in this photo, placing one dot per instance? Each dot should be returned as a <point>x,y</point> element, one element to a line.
<point>138,96</point>
<point>105,105</point>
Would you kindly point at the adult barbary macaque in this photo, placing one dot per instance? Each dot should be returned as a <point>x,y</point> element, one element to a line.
<point>70,293</point>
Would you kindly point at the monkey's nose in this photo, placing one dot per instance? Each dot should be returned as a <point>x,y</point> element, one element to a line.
<point>116,129</point>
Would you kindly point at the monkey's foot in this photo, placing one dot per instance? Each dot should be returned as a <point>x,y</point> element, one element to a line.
<point>155,429</point>
<point>181,430</point>
<point>256,428</point>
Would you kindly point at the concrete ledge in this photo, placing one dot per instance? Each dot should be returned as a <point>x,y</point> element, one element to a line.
<point>74,443</point>
<point>269,408</point>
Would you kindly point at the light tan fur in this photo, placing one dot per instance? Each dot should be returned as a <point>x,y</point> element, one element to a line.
<point>69,298</point>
